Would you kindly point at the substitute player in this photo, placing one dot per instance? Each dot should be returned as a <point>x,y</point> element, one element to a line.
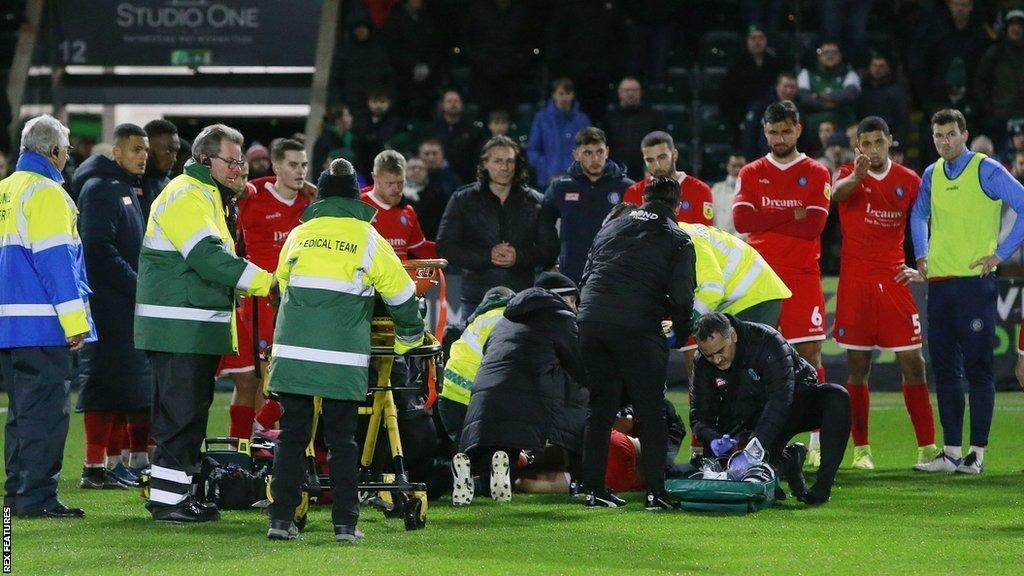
<point>782,202</point>
<point>696,204</point>
<point>876,310</point>
<point>265,218</point>
<point>955,226</point>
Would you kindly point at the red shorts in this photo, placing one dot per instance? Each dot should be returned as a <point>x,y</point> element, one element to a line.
<point>243,361</point>
<point>802,318</point>
<point>878,314</point>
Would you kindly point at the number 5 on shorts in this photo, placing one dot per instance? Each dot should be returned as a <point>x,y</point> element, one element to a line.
<point>916,319</point>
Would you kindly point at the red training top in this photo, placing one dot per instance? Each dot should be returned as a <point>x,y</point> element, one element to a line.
<point>264,220</point>
<point>695,202</point>
<point>400,227</point>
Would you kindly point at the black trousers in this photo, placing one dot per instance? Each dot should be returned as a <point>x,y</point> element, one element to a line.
<point>620,359</point>
<point>183,392</point>
<point>36,380</point>
<point>338,420</point>
<point>826,406</point>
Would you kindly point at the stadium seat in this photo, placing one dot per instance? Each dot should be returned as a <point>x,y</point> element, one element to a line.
<point>714,157</point>
<point>719,48</point>
<point>713,129</point>
<point>710,83</point>
<point>678,120</point>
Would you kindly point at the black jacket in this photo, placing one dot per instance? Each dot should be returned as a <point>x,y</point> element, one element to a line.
<point>112,225</point>
<point>744,83</point>
<point>626,128</point>
<point>153,183</point>
<point>475,221</point>
<point>462,142</point>
<point>374,135</point>
<point>641,267</point>
<point>582,205</point>
<point>520,392</point>
<point>752,398</point>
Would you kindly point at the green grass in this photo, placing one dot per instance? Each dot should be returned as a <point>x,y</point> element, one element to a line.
<point>890,521</point>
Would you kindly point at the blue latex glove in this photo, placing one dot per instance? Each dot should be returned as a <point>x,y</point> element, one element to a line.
<point>722,446</point>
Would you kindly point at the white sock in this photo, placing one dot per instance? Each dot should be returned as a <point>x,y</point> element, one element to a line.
<point>125,454</point>
<point>87,465</point>
<point>953,451</point>
<point>113,460</point>
<point>815,442</point>
<point>138,460</point>
<point>980,452</point>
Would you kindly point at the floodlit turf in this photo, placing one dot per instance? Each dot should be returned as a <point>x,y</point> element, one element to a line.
<point>890,521</point>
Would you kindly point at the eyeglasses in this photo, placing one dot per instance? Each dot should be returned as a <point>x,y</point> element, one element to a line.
<point>235,163</point>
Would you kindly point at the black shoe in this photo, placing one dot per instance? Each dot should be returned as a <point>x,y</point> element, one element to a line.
<point>792,468</point>
<point>283,530</point>
<point>780,494</point>
<point>59,510</point>
<point>100,479</point>
<point>603,499</point>
<point>658,501</point>
<point>814,497</point>
<point>186,511</point>
<point>576,489</point>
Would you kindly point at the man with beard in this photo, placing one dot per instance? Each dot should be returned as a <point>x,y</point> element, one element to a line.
<point>696,205</point>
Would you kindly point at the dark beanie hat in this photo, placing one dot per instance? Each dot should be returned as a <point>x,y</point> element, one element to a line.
<point>338,181</point>
<point>558,283</point>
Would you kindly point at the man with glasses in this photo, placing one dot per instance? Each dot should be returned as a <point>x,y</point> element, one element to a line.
<point>955,227</point>
<point>44,317</point>
<point>188,277</point>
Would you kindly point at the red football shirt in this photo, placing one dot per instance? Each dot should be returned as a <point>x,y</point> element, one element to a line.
<point>400,227</point>
<point>695,202</point>
<point>264,220</point>
<point>873,221</point>
<point>621,472</point>
<point>768,194</point>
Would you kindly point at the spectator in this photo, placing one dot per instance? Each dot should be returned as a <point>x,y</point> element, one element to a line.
<point>582,198</point>
<point>836,152</point>
<point>627,125</point>
<point>416,53</point>
<point>551,136</point>
<point>947,45</point>
<point>983,145</point>
<point>439,171</point>
<point>584,42</point>
<point>376,127</point>
<point>460,139</point>
<point>498,123</point>
<point>163,153</point>
<point>881,95</point>
<point>754,143</point>
<point>830,91</point>
<point>336,140</point>
<point>1016,144</point>
<point>258,158</point>
<point>724,193</point>
<point>847,21</point>
<point>825,131</point>
<point>494,229</point>
<point>427,198</point>
<point>3,165</point>
<point>998,85</point>
<point>116,378</point>
<point>499,38</point>
<point>361,63</point>
<point>1018,167</point>
<point>749,78</point>
<point>44,317</point>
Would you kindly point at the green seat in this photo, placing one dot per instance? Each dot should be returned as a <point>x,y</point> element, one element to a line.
<point>719,48</point>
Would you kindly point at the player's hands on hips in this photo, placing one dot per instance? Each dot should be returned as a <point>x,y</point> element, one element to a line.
<point>722,446</point>
<point>987,263</point>
<point>908,275</point>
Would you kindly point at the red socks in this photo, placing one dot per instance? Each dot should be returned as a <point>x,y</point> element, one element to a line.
<point>98,426</point>
<point>269,414</point>
<point>241,421</point>
<point>919,406</point>
<point>860,403</point>
<point>118,435</point>
<point>138,436</point>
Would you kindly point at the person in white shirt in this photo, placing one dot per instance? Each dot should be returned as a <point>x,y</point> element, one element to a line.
<point>724,192</point>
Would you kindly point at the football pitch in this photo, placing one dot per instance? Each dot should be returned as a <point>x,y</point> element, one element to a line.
<point>889,521</point>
